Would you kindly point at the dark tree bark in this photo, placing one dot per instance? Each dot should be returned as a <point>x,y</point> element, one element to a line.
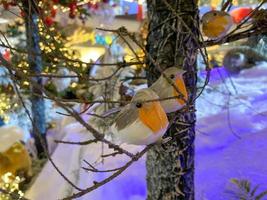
<point>35,65</point>
<point>170,170</point>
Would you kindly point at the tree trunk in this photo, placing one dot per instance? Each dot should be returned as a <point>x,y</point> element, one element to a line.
<point>35,65</point>
<point>170,170</point>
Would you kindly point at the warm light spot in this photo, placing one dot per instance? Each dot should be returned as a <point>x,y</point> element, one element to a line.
<point>89,53</point>
<point>73,85</point>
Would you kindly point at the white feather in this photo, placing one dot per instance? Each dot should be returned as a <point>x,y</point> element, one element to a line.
<point>171,105</point>
<point>137,133</point>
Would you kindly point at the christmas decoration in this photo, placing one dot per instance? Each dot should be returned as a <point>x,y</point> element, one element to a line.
<point>63,83</point>
<point>239,14</point>
<point>5,105</point>
<point>14,157</point>
<point>10,183</point>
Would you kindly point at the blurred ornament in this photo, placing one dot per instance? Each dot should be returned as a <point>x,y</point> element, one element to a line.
<point>241,58</point>
<point>13,3</point>
<point>90,5</point>
<point>82,17</point>
<point>108,39</point>
<point>6,5</point>
<point>117,50</point>
<point>100,39</point>
<point>6,55</point>
<point>215,3</point>
<point>48,21</point>
<point>72,15</point>
<point>139,16</point>
<point>64,82</point>
<point>55,1</point>
<point>22,14</point>
<point>73,9</point>
<point>96,6</point>
<point>126,10</point>
<point>105,13</point>
<point>53,12</point>
<point>239,14</point>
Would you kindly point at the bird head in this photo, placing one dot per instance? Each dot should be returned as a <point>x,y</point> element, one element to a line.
<point>143,95</point>
<point>176,75</point>
<point>173,73</point>
<point>213,16</point>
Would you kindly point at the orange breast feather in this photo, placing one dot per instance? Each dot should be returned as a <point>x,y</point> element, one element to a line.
<point>153,117</point>
<point>181,87</point>
<point>216,27</point>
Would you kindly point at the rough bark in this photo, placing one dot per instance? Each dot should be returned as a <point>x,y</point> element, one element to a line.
<point>35,65</point>
<point>170,170</point>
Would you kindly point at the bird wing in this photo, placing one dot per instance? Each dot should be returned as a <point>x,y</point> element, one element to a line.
<point>162,88</point>
<point>126,117</point>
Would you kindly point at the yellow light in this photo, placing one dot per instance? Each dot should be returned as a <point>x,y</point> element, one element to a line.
<point>89,53</point>
<point>10,183</point>
<point>26,83</point>
<point>73,85</point>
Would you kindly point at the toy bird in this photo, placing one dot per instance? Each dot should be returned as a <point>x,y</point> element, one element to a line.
<point>14,156</point>
<point>164,89</point>
<point>141,122</point>
<point>216,24</point>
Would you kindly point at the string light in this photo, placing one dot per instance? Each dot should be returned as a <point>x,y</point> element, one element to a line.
<point>10,183</point>
<point>5,104</point>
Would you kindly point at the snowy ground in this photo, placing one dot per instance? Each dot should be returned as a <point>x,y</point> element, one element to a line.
<point>231,143</point>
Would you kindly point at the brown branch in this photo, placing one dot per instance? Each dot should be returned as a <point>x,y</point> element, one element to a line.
<point>101,171</point>
<point>93,169</point>
<point>36,130</point>
<point>226,4</point>
<point>110,178</point>
<point>68,59</point>
<point>236,36</point>
<point>111,101</point>
<point>122,31</point>
<point>74,114</point>
<point>77,143</point>
<point>110,155</point>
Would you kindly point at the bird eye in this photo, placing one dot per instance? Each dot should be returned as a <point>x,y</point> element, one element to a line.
<point>172,76</point>
<point>138,105</point>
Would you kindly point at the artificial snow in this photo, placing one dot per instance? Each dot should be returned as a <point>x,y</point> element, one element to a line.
<point>230,143</point>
